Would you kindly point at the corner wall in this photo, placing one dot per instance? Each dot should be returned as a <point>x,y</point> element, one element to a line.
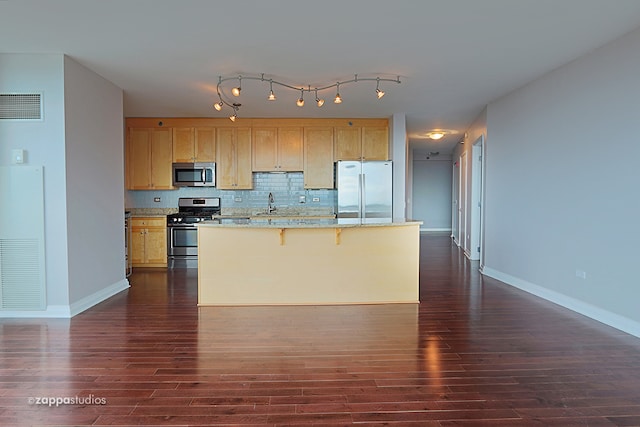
<point>95,179</point>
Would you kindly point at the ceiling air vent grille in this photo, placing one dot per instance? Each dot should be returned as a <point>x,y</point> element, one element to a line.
<point>20,106</point>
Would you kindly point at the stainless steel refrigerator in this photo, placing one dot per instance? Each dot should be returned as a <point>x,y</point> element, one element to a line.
<point>364,189</point>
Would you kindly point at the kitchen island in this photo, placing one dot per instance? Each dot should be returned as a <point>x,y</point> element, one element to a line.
<point>307,261</point>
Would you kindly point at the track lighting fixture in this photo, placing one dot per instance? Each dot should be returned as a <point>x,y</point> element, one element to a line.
<point>235,91</point>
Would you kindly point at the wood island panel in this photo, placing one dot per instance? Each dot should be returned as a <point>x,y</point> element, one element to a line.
<point>330,265</point>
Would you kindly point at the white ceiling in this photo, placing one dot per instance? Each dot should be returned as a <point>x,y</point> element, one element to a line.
<point>453,56</point>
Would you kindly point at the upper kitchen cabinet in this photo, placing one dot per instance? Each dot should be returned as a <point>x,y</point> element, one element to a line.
<point>277,149</point>
<point>148,162</point>
<point>318,157</point>
<point>194,145</point>
<point>361,143</point>
<point>375,143</point>
<point>233,157</point>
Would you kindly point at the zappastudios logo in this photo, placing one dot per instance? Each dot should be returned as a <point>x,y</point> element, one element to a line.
<point>67,400</point>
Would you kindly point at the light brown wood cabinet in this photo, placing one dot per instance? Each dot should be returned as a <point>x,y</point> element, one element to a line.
<point>255,145</point>
<point>318,157</point>
<point>148,161</point>
<point>277,149</point>
<point>194,144</point>
<point>361,143</point>
<point>149,241</point>
<point>233,159</point>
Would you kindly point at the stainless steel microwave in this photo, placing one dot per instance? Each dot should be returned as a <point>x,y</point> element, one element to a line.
<point>194,174</point>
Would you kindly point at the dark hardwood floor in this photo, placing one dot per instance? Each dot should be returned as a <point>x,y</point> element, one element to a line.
<point>475,352</point>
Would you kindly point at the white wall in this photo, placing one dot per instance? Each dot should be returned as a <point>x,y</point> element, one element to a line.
<point>401,165</point>
<point>81,152</point>
<point>44,145</point>
<point>432,193</point>
<point>95,179</point>
<point>562,185</point>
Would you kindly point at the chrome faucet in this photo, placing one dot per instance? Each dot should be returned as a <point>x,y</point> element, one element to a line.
<point>271,207</point>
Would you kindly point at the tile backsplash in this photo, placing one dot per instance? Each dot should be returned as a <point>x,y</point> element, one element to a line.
<point>285,187</point>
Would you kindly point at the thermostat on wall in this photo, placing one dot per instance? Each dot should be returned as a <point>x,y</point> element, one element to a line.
<point>17,156</point>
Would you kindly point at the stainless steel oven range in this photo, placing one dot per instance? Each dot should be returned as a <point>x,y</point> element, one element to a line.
<point>182,234</point>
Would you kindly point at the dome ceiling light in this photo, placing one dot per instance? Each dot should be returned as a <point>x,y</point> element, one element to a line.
<point>236,90</point>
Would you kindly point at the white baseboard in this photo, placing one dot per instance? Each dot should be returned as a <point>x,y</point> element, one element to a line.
<point>67,311</point>
<point>91,300</point>
<point>621,323</point>
<point>426,230</point>
<point>52,311</point>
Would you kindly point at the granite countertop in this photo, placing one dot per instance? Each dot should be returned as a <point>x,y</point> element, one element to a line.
<point>280,212</point>
<point>306,223</point>
<point>150,212</point>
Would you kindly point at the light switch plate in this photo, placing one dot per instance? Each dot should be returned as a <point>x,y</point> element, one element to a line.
<point>17,156</point>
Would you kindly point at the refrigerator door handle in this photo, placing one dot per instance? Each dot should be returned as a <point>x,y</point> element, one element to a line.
<point>363,200</point>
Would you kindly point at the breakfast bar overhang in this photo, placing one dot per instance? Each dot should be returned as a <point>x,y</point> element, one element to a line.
<point>297,262</point>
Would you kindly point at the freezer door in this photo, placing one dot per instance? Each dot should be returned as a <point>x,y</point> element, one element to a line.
<point>348,176</point>
<point>377,186</point>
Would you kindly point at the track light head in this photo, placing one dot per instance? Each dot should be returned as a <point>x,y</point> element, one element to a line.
<point>236,90</point>
<point>338,98</point>
<point>218,106</point>
<point>300,101</point>
<point>272,96</point>
<point>379,93</point>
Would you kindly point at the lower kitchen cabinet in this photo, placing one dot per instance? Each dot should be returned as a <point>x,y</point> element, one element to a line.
<point>149,241</point>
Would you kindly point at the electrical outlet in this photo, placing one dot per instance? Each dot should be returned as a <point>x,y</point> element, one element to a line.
<point>303,199</point>
<point>581,274</point>
<point>316,199</point>
<point>156,199</point>
<point>237,199</point>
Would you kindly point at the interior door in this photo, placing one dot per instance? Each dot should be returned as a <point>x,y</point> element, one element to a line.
<point>462,202</point>
<point>455,190</point>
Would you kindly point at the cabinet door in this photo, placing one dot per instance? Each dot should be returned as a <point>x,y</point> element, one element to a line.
<point>139,159</point>
<point>225,159</point>
<point>183,145</point>
<point>137,245</point>
<point>348,143</point>
<point>290,149</point>
<point>244,175</point>
<point>375,143</point>
<point>156,245</point>
<point>264,149</point>
<point>205,144</point>
<point>161,156</point>
<point>318,157</point>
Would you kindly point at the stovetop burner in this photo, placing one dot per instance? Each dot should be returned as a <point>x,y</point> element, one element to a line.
<point>194,210</point>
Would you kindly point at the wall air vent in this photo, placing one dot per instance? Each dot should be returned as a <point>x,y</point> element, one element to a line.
<point>20,106</point>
